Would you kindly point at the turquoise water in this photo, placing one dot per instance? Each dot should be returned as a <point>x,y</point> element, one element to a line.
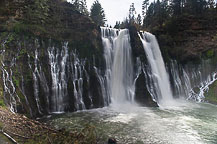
<point>181,123</point>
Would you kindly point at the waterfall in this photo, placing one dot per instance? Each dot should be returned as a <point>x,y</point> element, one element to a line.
<point>58,63</point>
<point>122,70</point>
<point>9,88</point>
<point>192,81</point>
<point>159,75</point>
<point>62,81</point>
<point>77,68</point>
<point>108,38</point>
<point>119,66</point>
<point>66,67</point>
<point>36,82</point>
<point>10,94</point>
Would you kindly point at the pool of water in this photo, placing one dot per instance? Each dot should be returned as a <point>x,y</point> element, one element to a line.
<point>181,123</point>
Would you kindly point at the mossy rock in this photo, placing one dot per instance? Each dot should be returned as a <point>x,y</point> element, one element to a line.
<point>2,104</point>
<point>211,95</point>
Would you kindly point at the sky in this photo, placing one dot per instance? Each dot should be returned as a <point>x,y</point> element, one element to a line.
<point>116,10</point>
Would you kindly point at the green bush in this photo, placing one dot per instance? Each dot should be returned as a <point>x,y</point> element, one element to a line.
<point>210,53</point>
<point>2,103</point>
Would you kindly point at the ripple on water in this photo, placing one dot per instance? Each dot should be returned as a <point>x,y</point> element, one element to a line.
<point>187,123</point>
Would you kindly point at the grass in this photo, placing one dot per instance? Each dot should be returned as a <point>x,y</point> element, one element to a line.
<point>2,104</point>
<point>86,136</point>
<point>211,95</point>
<point>1,125</point>
<point>210,53</point>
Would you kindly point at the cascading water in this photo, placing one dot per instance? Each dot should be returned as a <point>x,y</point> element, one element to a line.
<point>66,84</point>
<point>108,38</point>
<point>9,88</point>
<point>68,70</point>
<point>7,78</point>
<point>59,84</point>
<point>60,76</point>
<point>161,84</point>
<point>119,72</point>
<point>122,70</point>
<point>192,81</point>
<point>77,68</point>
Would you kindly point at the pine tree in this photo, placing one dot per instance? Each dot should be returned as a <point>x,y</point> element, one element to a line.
<point>84,7</point>
<point>149,15</point>
<point>81,6</point>
<point>117,25</point>
<point>145,7</point>
<point>132,12</point>
<point>176,7</point>
<point>211,4</point>
<point>97,14</point>
<point>139,19</point>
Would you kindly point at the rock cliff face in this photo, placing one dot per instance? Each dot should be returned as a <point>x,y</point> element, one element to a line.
<point>142,95</point>
<point>51,57</point>
<point>188,38</point>
<point>192,42</point>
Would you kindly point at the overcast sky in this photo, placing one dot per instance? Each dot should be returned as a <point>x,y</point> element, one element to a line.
<point>117,10</point>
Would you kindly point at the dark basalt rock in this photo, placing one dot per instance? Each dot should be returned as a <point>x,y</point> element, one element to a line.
<point>112,141</point>
<point>136,44</point>
<point>95,90</point>
<point>51,23</point>
<point>142,95</point>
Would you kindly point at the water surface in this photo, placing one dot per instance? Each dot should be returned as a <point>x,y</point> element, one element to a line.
<point>181,123</point>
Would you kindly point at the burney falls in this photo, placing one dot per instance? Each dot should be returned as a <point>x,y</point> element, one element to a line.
<point>108,72</point>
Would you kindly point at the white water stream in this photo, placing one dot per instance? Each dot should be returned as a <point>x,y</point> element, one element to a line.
<point>119,65</point>
<point>160,77</point>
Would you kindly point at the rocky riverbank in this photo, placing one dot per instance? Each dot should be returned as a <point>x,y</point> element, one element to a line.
<point>24,130</point>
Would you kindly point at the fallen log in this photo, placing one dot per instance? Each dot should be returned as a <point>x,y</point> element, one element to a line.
<point>9,137</point>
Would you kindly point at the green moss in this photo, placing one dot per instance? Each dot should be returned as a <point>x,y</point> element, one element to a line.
<point>2,104</point>
<point>211,95</point>
<point>23,28</point>
<point>21,96</point>
<point>19,27</point>
<point>215,37</point>
<point>3,35</point>
<point>11,37</point>
<point>22,53</point>
<point>1,125</point>
<point>210,53</point>
<point>16,81</point>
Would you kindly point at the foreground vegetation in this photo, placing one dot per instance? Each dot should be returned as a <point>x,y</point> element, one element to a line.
<point>24,130</point>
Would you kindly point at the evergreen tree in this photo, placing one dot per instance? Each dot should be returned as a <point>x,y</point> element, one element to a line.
<point>132,12</point>
<point>84,7</point>
<point>117,25</point>
<point>149,15</point>
<point>157,13</point>
<point>97,14</point>
<point>139,19</point>
<point>145,7</point>
<point>195,7</point>
<point>125,23</point>
<point>211,4</point>
<point>176,6</point>
<point>81,6</point>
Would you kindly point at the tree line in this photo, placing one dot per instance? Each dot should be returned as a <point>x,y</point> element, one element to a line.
<point>96,13</point>
<point>158,12</point>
